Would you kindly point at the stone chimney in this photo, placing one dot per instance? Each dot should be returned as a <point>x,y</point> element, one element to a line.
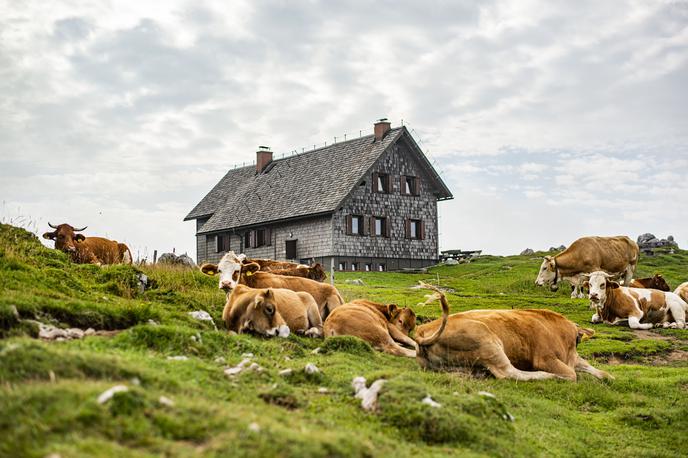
<point>263,158</point>
<point>382,126</point>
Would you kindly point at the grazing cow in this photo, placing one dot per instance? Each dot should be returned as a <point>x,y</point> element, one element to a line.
<point>682,291</point>
<point>381,325</point>
<point>272,312</point>
<point>656,282</point>
<point>615,255</point>
<point>88,250</point>
<point>514,344</point>
<point>615,304</point>
<point>233,272</point>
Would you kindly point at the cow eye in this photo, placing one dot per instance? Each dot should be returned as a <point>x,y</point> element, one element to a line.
<point>603,286</point>
<point>270,309</point>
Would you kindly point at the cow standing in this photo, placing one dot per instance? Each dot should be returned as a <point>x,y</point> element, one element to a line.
<point>88,250</point>
<point>617,256</point>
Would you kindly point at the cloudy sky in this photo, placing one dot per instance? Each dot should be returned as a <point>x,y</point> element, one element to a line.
<point>549,120</point>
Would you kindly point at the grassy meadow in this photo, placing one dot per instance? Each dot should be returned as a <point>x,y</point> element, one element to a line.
<point>49,390</point>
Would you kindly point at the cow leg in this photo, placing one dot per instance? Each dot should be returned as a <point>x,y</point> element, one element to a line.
<point>584,366</point>
<point>401,337</point>
<point>634,323</point>
<point>315,323</point>
<point>492,356</point>
<point>555,366</point>
<point>395,349</point>
<point>595,318</point>
<point>678,311</point>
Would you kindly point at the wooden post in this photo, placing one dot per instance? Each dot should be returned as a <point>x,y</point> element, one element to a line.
<point>332,271</point>
<point>155,256</point>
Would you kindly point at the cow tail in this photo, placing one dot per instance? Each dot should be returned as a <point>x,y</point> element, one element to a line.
<point>427,341</point>
<point>127,258</point>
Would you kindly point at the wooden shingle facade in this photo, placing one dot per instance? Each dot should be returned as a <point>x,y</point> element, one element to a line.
<point>365,204</point>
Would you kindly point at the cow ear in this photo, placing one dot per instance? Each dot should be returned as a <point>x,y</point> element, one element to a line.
<point>250,268</point>
<point>586,284</point>
<point>50,235</point>
<point>241,257</point>
<point>548,258</point>
<point>79,237</point>
<point>391,308</point>
<point>209,269</point>
<point>612,284</point>
<point>268,293</point>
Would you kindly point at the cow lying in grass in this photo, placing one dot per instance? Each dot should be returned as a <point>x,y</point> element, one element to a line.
<point>88,250</point>
<point>233,272</point>
<point>383,326</point>
<point>313,272</point>
<point>271,312</point>
<point>682,291</point>
<point>642,308</point>
<point>656,282</point>
<point>514,344</point>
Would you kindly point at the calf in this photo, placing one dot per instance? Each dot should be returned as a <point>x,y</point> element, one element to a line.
<point>381,325</point>
<point>233,271</point>
<point>514,344</point>
<point>271,312</point>
<point>615,304</point>
<point>682,291</point>
<point>88,250</point>
<point>656,282</point>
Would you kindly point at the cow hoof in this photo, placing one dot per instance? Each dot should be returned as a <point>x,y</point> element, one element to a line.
<point>313,332</point>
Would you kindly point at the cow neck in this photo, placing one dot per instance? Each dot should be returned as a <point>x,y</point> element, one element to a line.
<point>609,309</point>
<point>556,271</point>
<point>248,280</point>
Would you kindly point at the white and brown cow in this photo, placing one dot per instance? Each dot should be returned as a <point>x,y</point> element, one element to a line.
<point>617,256</point>
<point>642,308</point>
<point>233,271</point>
<point>682,291</point>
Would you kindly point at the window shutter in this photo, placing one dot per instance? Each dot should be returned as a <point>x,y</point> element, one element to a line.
<point>390,182</point>
<point>375,189</point>
<point>253,239</point>
<point>402,184</point>
<point>368,228</point>
<point>388,227</point>
<point>407,228</point>
<point>416,186</point>
<point>421,234</point>
<point>268,236</point>
<point>348,225</point>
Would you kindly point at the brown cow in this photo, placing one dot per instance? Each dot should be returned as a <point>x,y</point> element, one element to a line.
<point>656,282</point>
<point>314,272</point>
<point>381,325</point>
<point>515,344</point>
<point>88,250</point>
<point>682,291</point>
<point>615,255</point>
<point>272,312</point>
<point>233,272</point>
<point>642,308</point>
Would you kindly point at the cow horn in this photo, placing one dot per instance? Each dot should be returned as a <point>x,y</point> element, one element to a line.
<point>54,227</point>
<point>79,230</point>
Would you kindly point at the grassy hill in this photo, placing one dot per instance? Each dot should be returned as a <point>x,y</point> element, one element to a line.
<point>49,390</point>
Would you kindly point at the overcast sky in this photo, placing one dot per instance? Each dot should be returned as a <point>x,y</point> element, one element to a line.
<point>548,120</point>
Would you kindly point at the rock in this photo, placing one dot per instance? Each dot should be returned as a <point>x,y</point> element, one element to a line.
<point>164,400</point>
<point>286,372</point>
<point>559,248</point>
<point>106,395</point>
<point>323,390</point>
<point>670,238</point>
<point>451,262</point>
<point>508,417</point>
<point>174,260</point>
<point>135,381</point>
<point>368,396</point>
<point>220,360</point>
<point>311,369</point>
<point>486,394</point>
<point>178,358</point>
<point>643,238</point>
<point>432,403</point>
<point>527,252</point>
<point>254,427</point>
<point>232,371</point>
<point>90,332</point>
<point>247,355</point>
<point>356,281</point>
<point>316,351</point>
<point>202,315</point>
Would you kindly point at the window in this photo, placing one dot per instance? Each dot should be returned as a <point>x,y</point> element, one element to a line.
<point>290,249</point>
<point>342,266</point>
<point>260,237</point>
<point>380,267</point>
<point>382,183</point>
<point>410,185</point>
<point>222,243</point>
<point>415,229</point>
<point>354,225</point>
<point>257,238</point>
<point>354,266</point>
<point>368,267</point>
<point>381,226</point>
<point>247,239</point>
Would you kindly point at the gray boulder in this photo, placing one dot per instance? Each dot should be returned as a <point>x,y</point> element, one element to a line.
<point>172,259</point>
<point>527,252</point>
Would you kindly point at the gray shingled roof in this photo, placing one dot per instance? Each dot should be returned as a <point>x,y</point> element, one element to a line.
<point>310,183</point>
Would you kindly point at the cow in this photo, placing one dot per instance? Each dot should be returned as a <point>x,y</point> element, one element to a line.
<point>641,308</point>
<point>682,291</point>
<point>656,282</point>
<point>271,312</point>
<point>383,326</point>
<point>513,344</point>
<point>233,271</point>
<point>313,272</point>
<point>88,250</point>
<point>615,255</point>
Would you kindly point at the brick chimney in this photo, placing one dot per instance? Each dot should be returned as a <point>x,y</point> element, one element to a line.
<point>382,126</point>
<point>263,158</point>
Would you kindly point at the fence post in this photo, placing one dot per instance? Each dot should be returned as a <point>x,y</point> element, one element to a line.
<point>155,256</point>
<point>332,271</point>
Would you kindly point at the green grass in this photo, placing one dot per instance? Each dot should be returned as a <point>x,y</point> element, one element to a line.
<point>48,391</point>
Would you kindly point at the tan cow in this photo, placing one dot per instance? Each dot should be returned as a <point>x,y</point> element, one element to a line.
<point>88,250</point>
<point>514,344</point>
<point>642,308</point>
<point>682,291</point>
<point>271,312</point>
<point>656,282</point>
<point>314,272</point>
<point>232,272</point>
<point>381,325</point>
<point>615,255</point>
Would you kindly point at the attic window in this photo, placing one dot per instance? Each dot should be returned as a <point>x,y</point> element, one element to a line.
<point>382,183</point>
<point>410,185</point>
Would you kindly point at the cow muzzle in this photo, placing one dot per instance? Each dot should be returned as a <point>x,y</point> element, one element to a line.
<point>227,285</point>
<point>594,298</point>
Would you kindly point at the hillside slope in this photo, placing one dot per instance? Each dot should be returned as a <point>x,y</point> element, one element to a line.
<point>189,407</point>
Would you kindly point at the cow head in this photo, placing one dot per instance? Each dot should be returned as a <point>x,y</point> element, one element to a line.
<point>65,237</point>
<point>261,316</point>
<point>403,318</point>
<point>316,272</point>
<point>658,282</point>
<point>230,268</point>
<point>547,274</point>
<point>598,283</point>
